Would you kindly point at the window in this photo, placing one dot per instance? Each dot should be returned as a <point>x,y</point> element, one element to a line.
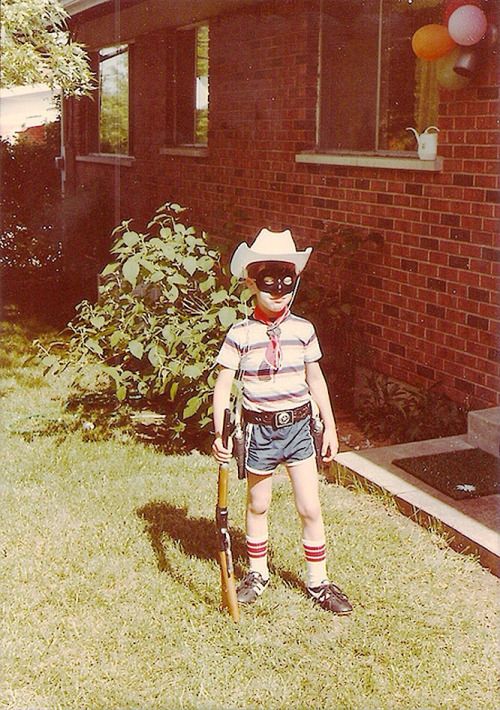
<point>114,100</point>
<point>372,86</point>
<point>191,86</point>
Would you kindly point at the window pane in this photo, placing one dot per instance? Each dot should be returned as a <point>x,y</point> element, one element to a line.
<point>349,75</point>
<point>372,85</point>
<point>191,122</point>
<point>113,100</point>
<point>201,117</point>
<point>408,86</point>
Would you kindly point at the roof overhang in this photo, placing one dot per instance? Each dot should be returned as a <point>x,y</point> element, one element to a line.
<point>181,11</point>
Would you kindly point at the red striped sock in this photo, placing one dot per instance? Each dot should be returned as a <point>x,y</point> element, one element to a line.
<point>315,554</point>
<point>257,555</point>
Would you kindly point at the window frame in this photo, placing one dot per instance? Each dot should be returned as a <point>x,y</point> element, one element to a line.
<point>178,145</point>
<point>93,153</point>
<point>376,157</point>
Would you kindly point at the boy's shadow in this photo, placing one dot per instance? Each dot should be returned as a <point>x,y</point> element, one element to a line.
<point>197,537</point>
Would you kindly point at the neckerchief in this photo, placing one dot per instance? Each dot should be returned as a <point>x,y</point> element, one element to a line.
<point>273,355</point>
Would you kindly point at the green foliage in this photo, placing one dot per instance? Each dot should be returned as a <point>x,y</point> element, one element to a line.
<point>388,410</point>
<point>30,202</point>
<point>37,48</point>
<point>338,329</point>
<point>152,337</point>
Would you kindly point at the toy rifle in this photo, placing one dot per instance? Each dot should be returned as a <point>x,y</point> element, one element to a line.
<point>228,587</point>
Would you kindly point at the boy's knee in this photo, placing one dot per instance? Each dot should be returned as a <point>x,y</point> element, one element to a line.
<point>310,511</point>
<point>258,503</point>
<point>258,507</point>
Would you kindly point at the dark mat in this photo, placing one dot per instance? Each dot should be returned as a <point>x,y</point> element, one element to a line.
<point>467,473</point>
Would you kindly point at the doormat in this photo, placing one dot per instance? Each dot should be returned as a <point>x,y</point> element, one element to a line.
<point>467,473</point>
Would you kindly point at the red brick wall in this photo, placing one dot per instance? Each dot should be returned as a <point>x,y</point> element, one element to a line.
<point>428,300</point>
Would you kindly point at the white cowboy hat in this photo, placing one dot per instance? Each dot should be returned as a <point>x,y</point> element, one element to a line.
<point>268,246</point>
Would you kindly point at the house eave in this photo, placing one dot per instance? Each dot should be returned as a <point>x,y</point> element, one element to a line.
<point>180,10</point>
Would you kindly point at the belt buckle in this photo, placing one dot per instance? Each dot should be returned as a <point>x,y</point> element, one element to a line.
<point>281,419</point>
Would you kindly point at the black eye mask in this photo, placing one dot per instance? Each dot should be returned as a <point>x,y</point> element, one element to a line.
<point>276,279</point>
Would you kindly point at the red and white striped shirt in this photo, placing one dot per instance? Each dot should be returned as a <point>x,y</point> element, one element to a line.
<point>265,389</point>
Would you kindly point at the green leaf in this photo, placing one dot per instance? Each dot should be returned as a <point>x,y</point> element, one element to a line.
<point>207,284</point>
<point>157,276</point>
<point>169,251</point>
<point>177,278</point>
<point>109,268</point>
<point>191,407</point>
<point>205,263</point>
<point>130,270</point>
<point>193,371</point>
<point>173,390</point>
<point>219,296</point>
<point>116,337</point>
<point>131,238</point>
<point>136,348</point>
<point>148,265</point>
<point>173,294</point>
<point>190,264</point>
<point>121,392</point>
<point>98,321</point>
<point>49,360</point>
<point>114,373</point>
<point>93,345</point>
<point>227,316</point>
<point>155,355</point>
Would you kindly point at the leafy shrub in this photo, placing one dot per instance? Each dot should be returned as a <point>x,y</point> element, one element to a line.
<point>339,331</point>
<point>30,201</point>
<point>389,410</point>
<point>164,306</point>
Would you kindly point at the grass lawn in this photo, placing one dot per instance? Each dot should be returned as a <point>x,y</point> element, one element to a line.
<point>109,586</point>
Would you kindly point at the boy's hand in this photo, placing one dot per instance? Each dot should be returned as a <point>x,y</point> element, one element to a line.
<point>221,454</point>
<point>330,445</point>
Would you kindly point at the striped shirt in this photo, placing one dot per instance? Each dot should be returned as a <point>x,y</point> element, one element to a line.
<point>265,389</point>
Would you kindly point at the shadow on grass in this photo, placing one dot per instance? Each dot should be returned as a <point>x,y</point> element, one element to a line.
<point>197,537</point>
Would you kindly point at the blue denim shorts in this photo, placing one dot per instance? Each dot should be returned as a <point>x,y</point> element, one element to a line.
<point>266,447</point>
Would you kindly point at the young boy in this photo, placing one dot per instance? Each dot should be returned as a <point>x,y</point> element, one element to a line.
<point>277,356</point>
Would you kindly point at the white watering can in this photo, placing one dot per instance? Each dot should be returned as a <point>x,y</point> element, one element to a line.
<point>427,142</point>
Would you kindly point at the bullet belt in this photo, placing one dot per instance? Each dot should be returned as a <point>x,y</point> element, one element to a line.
<point>278,419</point>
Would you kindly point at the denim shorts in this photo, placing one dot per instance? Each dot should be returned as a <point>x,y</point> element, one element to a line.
<point>266,447</point>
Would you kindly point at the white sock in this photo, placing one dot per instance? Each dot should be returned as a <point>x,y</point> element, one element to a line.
<point>257,556</point>
<point>315,554</point>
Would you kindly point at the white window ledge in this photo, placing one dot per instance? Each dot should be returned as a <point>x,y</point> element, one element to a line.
<point>370,161</point>
<point>194,151</point>
<point>107,159</point>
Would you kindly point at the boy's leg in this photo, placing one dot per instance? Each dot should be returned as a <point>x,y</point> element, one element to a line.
<point>259,493</point>
<point>305,484</point>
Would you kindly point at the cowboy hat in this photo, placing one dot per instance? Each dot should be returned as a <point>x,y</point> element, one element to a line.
<point>268,246</point>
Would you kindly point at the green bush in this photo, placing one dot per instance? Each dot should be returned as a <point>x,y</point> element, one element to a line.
<point>165,304</point>
<point>389,410</point>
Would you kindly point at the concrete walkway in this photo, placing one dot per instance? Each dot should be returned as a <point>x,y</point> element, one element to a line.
<point>472,524</point>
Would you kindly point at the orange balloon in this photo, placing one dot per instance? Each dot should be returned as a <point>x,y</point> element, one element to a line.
<point>432,41</point>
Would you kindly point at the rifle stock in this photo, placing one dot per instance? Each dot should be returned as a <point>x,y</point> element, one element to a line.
<point>228,587</point>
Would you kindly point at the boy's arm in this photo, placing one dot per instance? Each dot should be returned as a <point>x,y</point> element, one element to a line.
<point>221,400</point>
<point>319,392</point>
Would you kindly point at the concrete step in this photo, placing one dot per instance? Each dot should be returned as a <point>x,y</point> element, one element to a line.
<point>483,430</point>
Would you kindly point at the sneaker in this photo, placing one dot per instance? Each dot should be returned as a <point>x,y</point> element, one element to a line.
<point>251,587</point>
<point>330,597</point>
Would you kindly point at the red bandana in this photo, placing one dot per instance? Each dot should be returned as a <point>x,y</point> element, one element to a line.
<point>273,354</point>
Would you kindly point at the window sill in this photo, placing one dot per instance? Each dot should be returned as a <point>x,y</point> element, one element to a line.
<point>193,151</point>
<point>371,161</point>
<point>107,159</point>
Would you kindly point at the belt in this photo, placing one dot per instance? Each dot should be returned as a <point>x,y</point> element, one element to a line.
<point>278,419</point>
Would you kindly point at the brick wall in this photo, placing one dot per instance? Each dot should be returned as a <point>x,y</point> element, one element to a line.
<point>428,300</point>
